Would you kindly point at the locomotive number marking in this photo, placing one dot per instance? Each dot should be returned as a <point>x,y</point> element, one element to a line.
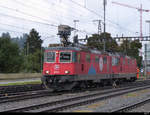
<point>101,63</point>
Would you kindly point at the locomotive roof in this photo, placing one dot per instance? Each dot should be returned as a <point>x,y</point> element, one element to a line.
<point>74,48</point>
<point>87,50</point>
<point>63,48</point>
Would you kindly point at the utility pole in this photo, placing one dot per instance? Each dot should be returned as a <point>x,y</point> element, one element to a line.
<point>104,3</point>
<point>99,26</point>
<point>75,21</point>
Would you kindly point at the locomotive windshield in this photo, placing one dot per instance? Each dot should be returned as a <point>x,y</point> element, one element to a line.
<point>49,57</point>
<point>65,56</point>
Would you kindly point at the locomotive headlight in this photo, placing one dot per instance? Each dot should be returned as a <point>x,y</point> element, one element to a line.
<point>47,72</point>
<point>66,72</point>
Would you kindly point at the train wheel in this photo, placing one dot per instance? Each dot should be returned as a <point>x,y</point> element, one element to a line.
<point>46,84</point>
<point>114,84</point>
<point>69,85</point>
<point>83,85</point>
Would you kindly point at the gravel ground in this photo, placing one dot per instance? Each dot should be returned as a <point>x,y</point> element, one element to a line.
<point>144,108</point>
<point>35,101</point>
<point>101,106</point>
<point>109,104</point>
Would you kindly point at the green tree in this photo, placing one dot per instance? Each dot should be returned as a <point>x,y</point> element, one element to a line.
<point>33,42</point>
<point>31,62</point>
<point>10,57</point>
<point>97,41</point>
<point>131,48</point>
<point>33,55</point>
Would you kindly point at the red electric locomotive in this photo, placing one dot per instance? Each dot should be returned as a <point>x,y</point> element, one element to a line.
<point>71,67</point>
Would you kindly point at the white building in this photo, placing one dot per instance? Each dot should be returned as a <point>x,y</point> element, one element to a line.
<point>147,56</point>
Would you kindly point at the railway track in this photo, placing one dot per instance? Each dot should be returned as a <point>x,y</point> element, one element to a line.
<point>24,96</point>
<point>12,97</point>
<point>18,90</point>
<point>60,105</point>
<point>13,90</point>
<point>36,94</point>
<point>132,106</point>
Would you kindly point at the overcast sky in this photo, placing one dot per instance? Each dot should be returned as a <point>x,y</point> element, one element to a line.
<point>19,16</point>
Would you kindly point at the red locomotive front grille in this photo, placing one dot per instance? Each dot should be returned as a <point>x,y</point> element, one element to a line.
<point>58,69</point>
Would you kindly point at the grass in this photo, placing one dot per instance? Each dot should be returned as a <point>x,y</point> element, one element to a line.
<point>22,83</point>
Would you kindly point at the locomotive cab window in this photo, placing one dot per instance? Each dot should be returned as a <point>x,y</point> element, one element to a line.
<point>65,56</point>
<point>49,57</point>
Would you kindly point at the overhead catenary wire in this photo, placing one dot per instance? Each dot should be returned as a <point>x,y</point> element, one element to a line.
<point>44,10</point>
<point>18,27</point>
<point>116,24</point>
<point>28,14</point>
<point>72,9</point>
<point>48,24</point>
<point>54,11</point>
<point>34,7</point>
<point>24,13</point>
<point>3,30</point>
<point>33,21</point>
<point>92,11</point>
